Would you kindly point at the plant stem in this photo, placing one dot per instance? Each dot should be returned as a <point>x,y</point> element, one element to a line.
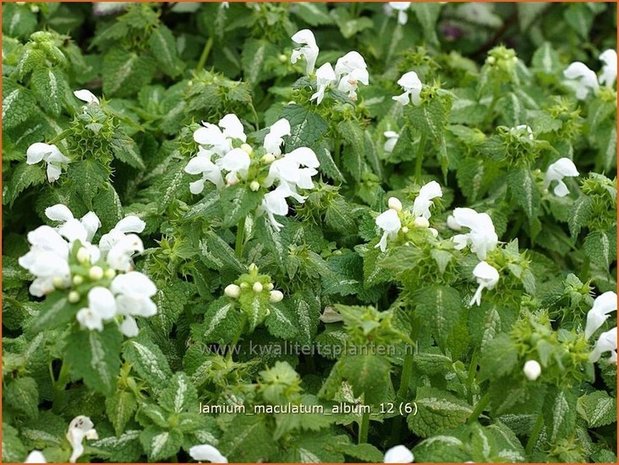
<point>407,370</point>
<point>205,52</point>
<point>419,160</point>
<point>537,429</point>
<point>479,408</point>
<point>364,428</point>
<point>240,238</point>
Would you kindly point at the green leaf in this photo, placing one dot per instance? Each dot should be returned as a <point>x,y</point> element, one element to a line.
<point>580,17</point>
<point>306,128</point>
<point>580,215</point>
<point>499,357</point>
<point>163,47</point>
<point>237,202</point>
<point>364,452</point>
<point>88,177</point>
<point>148,361</point>
<point>368,375</point>
<point>597,409</point>
<point>160,444</point>
<point>437,411</point>
<point>54,311</point>
<point>18,104</point>
<point>22,395</point>
<point>428,14</point>
<point>18,21</point>
<point>94,356</point>
<point>247,439</point>
<point>546,59</point>
<point>524,191</point>
<point>179,395</point>
<point>125,73</point>
<point>206,208</point>
<point>124,448</point>
<point>49,86</point>
<point>560,414</point>
<point>222,322</point>
<point>126,150</point>
<point>217,254</point>
<point>601,247</point>
<point>255,54</point>
<point>314,14</point>
<point>23,177</point>
<point>281,322</point>
<point>13,450</point>
<point>441,448</point>
<point>120,408</point>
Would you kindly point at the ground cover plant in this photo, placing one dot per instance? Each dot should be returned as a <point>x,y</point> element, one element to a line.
<point>309,232</point>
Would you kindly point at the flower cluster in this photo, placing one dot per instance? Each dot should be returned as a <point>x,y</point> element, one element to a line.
<point>99,276</point>
<point>350,69</point>
<point>603,306</point>
<point>225,158</point>
<point>481,239</point>
<point>584,81</point>
<point>396,220</point>
<point>411,85</point>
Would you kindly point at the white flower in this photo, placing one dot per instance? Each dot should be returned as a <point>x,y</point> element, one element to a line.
<point>202,164</point>
<point>351,69</point>
<point>274,139</point>
<point>607,342</point>
<point>118,246</point>
<point>482,237</point>
<point>219,137</point>
<point>274,203</point>
<point>564,167</point>
<point>133,293</point>
<point>47,260</point>
<point>54,158</point>
<point>525,128</point>
<point>389,222</point>
<point>36,456</point>
<point>603,306</point>
<point>325,76</point>
<point>294,170</point>
<point>233,291</point>
<point>423,202</point>
<point>412,86</point>
<point>401,8</point>
<point>80,427</point>
<point>236,162</point>
<point>71,228</point>
<point>391,139</point>
<point>101,308</point>
<point>487,276</point>
<point>86,96</point>
<point>581,79</point>
<point>532,369</point>
<point>308,49</point>
<point>609,69</point>
<point>399,454</point>
<point>206,452</point>
<point>129,224</point>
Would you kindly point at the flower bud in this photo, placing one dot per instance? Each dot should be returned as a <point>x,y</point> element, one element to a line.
<point>491,60</point>
<point>82,255</point>
<point>421,222</point>
<point>252,268</point>
<point>96,273</point>
<point>254,186</point>
<point>268,159</point>
<point>257,287</point>
<point>282,57</point>
<point>58,282</point>
<point>276,296</point>
<point>244,285</point>
<point>394,204</point>
<point>110,273</point>
<point>74,297</point>
<point>433,231</point>
<point>270,287</point>
<point>532,369</point>
<point>233,291</point>
<point>247,149</point>
<point>77,280</point>
<point>405,229</point>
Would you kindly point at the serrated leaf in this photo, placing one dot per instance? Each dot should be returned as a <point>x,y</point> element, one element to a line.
<point>88,177</point>
<point>21,395</point>
<point>217,254</point>
<point>54,311</point>
<point>255,54</point>
<point>126,150</point>
<point>49,85</point>
<point>18,104</point>
<point>222,322</point>
<point>120,408</point>
<point>125,73</point>
<point>247,439</point>
<point>368,375</point>
<point>306,128</point>
<point>238,201</point>
<point>206,208</point>
<point>580,215</point>
<point>23,177</point>
<point>94,356</point>
<point>524,191</point>
<point>179,395</point>
<point>148,361</point>
<point>13,450</point>
<point>601,247</point>
<point>281,322</point>
<point>437,411</point>
<point>163,47</point>
<point>160,444</point>
<point>427,15</point>
<point>597,409</point>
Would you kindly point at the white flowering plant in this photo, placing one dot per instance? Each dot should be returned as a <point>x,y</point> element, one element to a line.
<point>309,232</point>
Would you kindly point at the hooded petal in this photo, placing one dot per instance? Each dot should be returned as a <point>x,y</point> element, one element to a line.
<point>233,127</point>
<point>59,212</point>
<point>86,96</point>
<point>389,221</point>
<point>130,224</point>
<point>304,156</point>
<point>133,284</point>
<point>129,327</point>
<point>102,302</point>
<point>605,303</point>
<point>430,191</point>
<point>39,151</point>
<point>398,454</point>
<point>89,319</point>
<point>235,161</point>
<point>273,140</point>
<point>609,70</point>
<point>208,453</point>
